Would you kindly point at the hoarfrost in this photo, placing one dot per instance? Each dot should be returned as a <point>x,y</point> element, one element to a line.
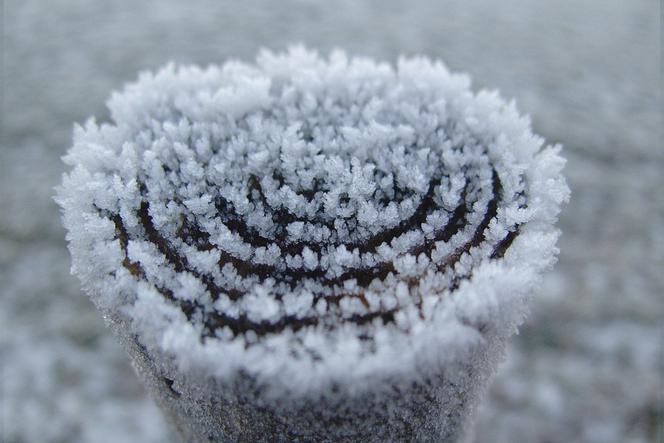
<point>276,208</point>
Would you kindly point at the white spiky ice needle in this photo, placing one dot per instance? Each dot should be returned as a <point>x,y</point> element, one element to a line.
<point>312,248</point>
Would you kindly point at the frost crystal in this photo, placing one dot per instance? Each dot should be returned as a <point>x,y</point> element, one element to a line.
<point>307,219</point>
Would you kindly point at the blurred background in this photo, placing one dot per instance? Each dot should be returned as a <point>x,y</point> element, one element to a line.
<point>587,367</point>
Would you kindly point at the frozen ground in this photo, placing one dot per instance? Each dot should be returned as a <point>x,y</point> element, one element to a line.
<point>587,367</point>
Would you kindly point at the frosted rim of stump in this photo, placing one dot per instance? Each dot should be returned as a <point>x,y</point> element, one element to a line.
<point>307,220</point>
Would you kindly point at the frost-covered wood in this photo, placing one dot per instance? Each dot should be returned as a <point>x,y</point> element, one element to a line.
<point>314,248</point>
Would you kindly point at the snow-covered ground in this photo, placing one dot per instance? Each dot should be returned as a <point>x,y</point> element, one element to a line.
<point>587,367</point>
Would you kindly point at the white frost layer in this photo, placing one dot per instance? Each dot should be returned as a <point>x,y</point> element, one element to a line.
<point>354,136</point>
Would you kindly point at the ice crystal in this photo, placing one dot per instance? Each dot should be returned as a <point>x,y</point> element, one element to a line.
<point>303,216</point>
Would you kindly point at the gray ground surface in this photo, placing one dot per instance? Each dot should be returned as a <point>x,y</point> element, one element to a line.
<point>587,367</point>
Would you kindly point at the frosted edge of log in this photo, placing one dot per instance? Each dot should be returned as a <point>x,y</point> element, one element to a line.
<point>493,300</point>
